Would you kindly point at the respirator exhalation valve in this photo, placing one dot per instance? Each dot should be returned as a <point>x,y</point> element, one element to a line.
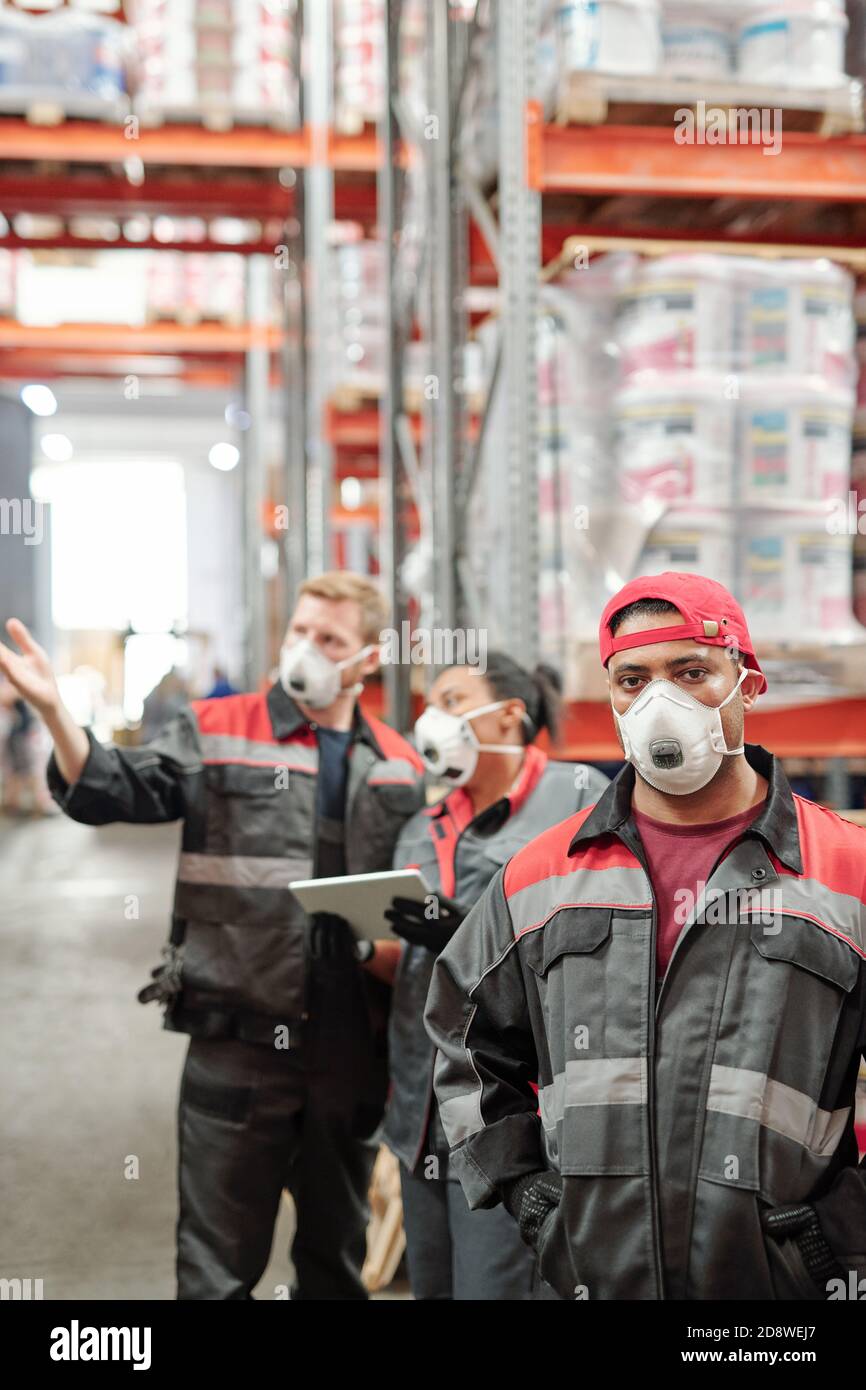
<point>666,752</point>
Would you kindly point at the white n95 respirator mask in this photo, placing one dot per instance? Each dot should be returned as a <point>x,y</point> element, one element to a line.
<point>313,678</point>
<point>449,746</point>
<point>676,743</point>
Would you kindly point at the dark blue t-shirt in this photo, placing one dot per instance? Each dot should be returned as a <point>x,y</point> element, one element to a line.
<point>333,772</point>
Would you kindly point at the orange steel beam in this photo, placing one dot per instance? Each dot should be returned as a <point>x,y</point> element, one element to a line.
<point>257,195</point>
<point>243,146</point>
<point>218,374</point>
<point>359,429</point>
<point>361,153</point>
<point>74,193</point>
<point>91,143</point>
<point>349,464</point>
<point>831,729</point>
<point>64,241</point>
<point>153,337</point>
<point>646,160</point>
<point>214,372</point>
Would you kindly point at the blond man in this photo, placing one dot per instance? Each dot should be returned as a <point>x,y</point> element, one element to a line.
<point>285,1078</point>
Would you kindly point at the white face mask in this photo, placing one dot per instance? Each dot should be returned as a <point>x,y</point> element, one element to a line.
<point>309,676</point>
<point>448,744</point>
<point>675,742</point>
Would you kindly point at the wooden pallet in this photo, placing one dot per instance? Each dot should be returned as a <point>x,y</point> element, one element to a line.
<point>217,118</point>
<point>191,318</point>
<point>354,123</point>
<point>50,108</point>
<point>415,402</point>
<point>349,400</point>
<point>590,98</point>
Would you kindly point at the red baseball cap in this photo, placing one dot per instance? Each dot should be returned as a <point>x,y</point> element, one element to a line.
<point>711,614</point>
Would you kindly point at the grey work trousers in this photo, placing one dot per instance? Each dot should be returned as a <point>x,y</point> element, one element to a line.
<point>254,1119</point>
<point>455,1253</point>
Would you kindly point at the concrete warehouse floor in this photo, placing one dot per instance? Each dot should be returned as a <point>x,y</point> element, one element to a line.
<point>89,1076</point>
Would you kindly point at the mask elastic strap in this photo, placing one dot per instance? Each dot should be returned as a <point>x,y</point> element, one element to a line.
<point>358,688</point>
<point>728,698</point>
<point>358,656</point>
<point>488,709</point>
<point>493,747</point>
<point>730,752</point>
<point>482,709</point>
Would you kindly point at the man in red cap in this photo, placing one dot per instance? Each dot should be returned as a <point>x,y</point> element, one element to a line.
<point>681,969</point>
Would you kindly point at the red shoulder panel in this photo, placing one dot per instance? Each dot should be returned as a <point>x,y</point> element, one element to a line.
<point>833,849</point>
<point>544,856</point>
<point>241,716</point>
<point>547,855</point>
<point>392,744</point>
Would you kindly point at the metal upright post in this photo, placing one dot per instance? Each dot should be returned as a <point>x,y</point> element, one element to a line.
<point>294,376</point>
<point>294,395</point>
<point>427,283</point>
<point>318,214</point>
<point>443,420</point>
<point>254,462</point>
<point>391,543</point>
<point>520,229</point>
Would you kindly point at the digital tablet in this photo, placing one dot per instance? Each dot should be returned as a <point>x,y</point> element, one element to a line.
<point>361,898</point>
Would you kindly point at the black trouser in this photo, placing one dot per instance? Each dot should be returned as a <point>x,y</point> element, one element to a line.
<point>456,1253</point>
<point>255,1119</point>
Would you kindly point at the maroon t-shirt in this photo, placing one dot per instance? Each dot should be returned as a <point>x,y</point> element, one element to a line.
<point>682,857</point>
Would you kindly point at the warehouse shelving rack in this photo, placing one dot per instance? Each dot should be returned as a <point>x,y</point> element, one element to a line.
<point>645,160</point>
<point>70,167</point>
<point>543,167</point>
<point>427,460</point>
<point>546,175</point>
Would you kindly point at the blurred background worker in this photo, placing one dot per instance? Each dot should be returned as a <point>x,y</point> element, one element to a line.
<point>22,764</point>
<point>222,686</point>
<point>168,697</point>
<point>285,1077</point>
<point>477,734</point>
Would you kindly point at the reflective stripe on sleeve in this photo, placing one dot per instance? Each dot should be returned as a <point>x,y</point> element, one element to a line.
<point>461,1116</point>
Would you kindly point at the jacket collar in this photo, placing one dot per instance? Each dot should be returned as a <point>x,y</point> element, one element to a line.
<point>776,825</point>
<point>458,805</point>
<point>287,718</point>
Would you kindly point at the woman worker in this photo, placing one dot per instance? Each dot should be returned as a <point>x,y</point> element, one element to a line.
<point>477,735</point>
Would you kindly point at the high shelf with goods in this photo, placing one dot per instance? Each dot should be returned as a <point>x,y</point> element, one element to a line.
<point>592,183</point>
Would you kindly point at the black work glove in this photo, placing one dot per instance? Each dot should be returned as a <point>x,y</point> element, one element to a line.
<point>411,921</point>
<point>801,1224</point>
<point>331,936</point>
<point>166,978</point>
<point>531,1199</point>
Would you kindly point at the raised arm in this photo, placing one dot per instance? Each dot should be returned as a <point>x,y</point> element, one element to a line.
<point>31,673</point>
<point>94,784</point>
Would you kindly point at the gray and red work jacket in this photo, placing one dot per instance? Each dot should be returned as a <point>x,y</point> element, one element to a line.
<point>676,1116</point>
<point>240,772</point>
<point>459,853</point>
